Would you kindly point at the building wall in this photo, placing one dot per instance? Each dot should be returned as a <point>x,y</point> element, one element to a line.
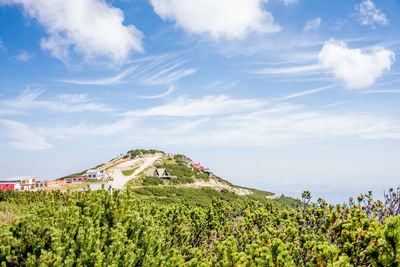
<point>5,187</point>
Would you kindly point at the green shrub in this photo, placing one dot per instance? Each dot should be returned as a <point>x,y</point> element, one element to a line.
<point>183,226</point>
<point>150,180</point>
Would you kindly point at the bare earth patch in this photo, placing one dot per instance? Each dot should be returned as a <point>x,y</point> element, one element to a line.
<point>219,186</point>
<point>120,180</point>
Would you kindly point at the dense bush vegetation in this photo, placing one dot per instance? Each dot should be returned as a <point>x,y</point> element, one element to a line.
<point>201,197</point>
<point>96,228</point>
<point>150,180</point>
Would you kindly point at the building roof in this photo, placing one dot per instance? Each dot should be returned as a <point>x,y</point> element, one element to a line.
<point>196,165</point>
<point>149,172</point>
<point>9,181</point>
<point>17,178</point>
<point>161,172</point>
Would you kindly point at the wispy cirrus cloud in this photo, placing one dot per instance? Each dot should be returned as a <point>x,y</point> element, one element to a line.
<point>24,56</point>
<point>87,129</point>
<point>156,70</point>
<point>276,125</point>
<point>221,84</point>
<point>166,74</point>
<point>214,120</point>
<point>304,93</point>
<point>113,80</point>
<point>20,136</point>
<point>2,47</point>
<point>208,105</point>
<point>312,25</point>
<point>304,69</point>
<point>383,91</point>
<point>68,103</point>
<point>168,92</point>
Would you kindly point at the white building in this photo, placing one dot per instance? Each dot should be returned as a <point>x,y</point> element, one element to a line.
<point>96,174</point>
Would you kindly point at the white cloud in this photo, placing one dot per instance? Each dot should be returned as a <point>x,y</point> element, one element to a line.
<point>24,56</point>
<point>232,19</point>
<point>84,129</point>
<point>369,14</point>
<point>289,2</point>
<point>208,105</point>
<point>69,103</point>
<point>228,121</point>
<point>284,124</point>
<point>216,121</point>
<point>169,91</point>
<point>312,25</point>
<point>22,137</point>
<point>91,28</point>
<point>356,68</point>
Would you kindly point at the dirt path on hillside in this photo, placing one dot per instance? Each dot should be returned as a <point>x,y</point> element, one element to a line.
<point>120,180</point>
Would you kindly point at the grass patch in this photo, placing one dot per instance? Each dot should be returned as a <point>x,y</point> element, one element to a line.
<point>129,172</point>
<point>150,180</point>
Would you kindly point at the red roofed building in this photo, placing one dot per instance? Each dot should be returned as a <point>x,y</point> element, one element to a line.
<point>198,166</point>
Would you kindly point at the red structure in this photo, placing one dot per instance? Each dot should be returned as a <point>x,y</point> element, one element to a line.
<point>198,166</point>
<point>5,187</point>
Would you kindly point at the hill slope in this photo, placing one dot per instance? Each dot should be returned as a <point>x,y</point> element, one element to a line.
<point>184,183</point>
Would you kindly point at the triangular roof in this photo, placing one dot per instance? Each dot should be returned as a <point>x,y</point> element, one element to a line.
<point>150,171</point>
<point>161,172</point>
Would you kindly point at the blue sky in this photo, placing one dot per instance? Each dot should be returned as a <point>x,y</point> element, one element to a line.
<point>282,95</point>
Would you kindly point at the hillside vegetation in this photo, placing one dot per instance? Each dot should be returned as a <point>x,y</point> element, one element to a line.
<point>96,228</point>
<point>192,219</point>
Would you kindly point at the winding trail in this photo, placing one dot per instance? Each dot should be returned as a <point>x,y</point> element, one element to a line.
<point>120,180</point>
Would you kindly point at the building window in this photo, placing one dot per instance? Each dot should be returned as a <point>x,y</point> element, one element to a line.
<point>32,187</point>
